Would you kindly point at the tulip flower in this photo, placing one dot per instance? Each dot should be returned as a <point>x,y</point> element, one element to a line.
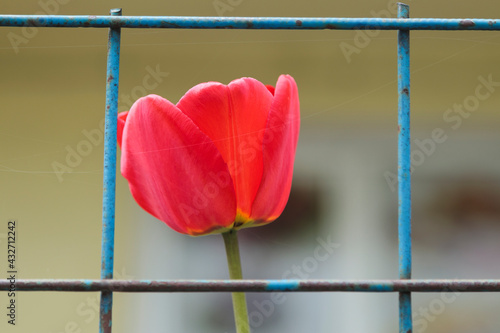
<point>219,160</point>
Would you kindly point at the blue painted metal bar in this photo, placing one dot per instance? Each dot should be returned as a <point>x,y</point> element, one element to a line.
<point>377,286</point>
<point>195,22</point>
<point>404,170</point>
<point>109,179</point>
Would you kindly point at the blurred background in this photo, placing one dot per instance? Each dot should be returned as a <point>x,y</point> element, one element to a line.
<point>341,220</point>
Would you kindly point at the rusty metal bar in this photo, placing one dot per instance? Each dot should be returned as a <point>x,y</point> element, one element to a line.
<point>109,177</point>
<point>404,170</point>
<point>383,286</point>
<point>295,23</point>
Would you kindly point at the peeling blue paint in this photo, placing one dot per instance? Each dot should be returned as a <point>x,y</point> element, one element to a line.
<point>283,285</point>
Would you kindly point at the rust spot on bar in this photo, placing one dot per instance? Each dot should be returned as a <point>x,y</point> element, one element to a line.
<point>405,91</point>
<point>399,128</point>
<point>110,78</point>
<point>106,314</point>
<point>165,23</point>
<point>32,23</point>
<point>362,286</point>
<point>114,24</point>
<point>298,23</point>
<point>331,26</point>
<point>466,24</point>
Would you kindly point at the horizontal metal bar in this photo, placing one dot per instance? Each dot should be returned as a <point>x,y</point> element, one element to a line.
<point>195,22</point>
<point>253,285</point>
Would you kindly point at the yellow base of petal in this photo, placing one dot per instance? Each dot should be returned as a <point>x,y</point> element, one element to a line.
<point>242,220</point>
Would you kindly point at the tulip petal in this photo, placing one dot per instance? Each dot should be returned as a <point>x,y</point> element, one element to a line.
<point>281,136</point>
<point>174,170</point>
<point>234,117</point>
<point>122,118</point>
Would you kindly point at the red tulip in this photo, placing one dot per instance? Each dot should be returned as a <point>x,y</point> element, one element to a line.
<point>221,158</point>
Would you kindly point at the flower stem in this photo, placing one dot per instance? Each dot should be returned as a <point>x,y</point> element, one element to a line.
<point>234,264</point>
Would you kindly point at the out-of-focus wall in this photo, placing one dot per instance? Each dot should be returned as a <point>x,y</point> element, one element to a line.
<point>52,103</point>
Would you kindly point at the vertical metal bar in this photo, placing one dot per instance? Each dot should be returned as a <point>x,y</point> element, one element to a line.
<point>404,169</point>
<point>109,179</point>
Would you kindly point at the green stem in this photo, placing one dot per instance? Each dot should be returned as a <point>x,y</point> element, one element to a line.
<point>234,264</point>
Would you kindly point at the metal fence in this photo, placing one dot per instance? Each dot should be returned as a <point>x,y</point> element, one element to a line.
<point>106,285</point>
